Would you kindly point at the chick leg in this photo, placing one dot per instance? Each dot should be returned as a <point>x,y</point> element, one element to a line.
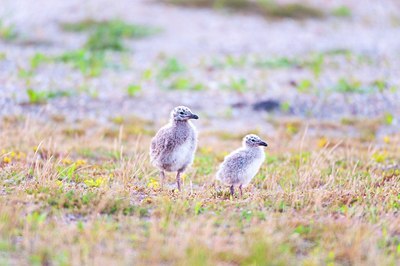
<point>232,190</point>
<point>178,180</point>
<point>241,192</point>
<point>162,177</point>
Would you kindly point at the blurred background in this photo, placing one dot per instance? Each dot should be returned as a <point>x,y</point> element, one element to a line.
<point>244,65</point>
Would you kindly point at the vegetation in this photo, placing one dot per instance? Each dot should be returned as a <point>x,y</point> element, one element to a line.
<point>77,187</point>
<point>266,8</point>
<point>88,62</point>
<point>41,97</point>
<point>108,35</point>
<point>333,202</point>
<point>7,31</point>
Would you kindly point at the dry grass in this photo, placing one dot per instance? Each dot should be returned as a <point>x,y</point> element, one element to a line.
<point>92,198</point>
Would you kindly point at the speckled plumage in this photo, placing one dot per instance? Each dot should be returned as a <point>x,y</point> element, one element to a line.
<point>174,146</point>
<point>239,167</point>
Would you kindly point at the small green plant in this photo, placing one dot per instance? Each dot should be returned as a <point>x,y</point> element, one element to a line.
<point>147,74</point>
<point>345,86</point>
<point>342,11</point>
<point>25,73</point>
<point>118,27</point>
<point>239,85</point>
<point>380,85</point>
<point>103,39</point>
<point>232,61</point>
<point>38,59</point>
<point>7,31</point>
<point>171,66</point>
<point>285,107</point>
<point>109,35</point>
<point>133,90</point>
<point>67,172</point>
<point>305,86</point>
<point>198,208</point>
<point>89,63</point>
<point>302,230</point>
<point>280,62</point>
<point>316,64</point>
<point>182,83</point>
<point>95,183</point>
<point>36,219</point>
<point>388,118</point>
<point>41,97</point>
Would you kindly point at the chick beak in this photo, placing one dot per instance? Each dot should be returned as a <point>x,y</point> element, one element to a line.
<point>263,143</point>
<point>193,116</point>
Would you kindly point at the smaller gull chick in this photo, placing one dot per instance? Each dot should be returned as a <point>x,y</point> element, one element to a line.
<point>173,147</point>
<point>239,167</point>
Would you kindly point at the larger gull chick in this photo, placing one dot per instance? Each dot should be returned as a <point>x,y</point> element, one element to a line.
<point>174,146</point>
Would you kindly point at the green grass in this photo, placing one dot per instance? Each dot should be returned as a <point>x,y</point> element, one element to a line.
<point>88,62</point>
<point>41,97</point>
<point>109,35</point>
<point>266,8</point>
<point>342,11</point>
<point>238,85</point>
<point>184,83</point>
<point>305,86</point>
<point>8,31</point>
<point>133,90</point>
<point>38,59</point>
<point>350,86</point>
<point>170,67</point>
<point>279,62</point>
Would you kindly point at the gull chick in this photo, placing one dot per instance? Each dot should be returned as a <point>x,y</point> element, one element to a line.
<point>239,167</point>
<point>173,147</point>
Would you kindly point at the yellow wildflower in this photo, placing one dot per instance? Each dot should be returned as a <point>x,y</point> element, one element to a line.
<point>380,157</point>
<point>80,163</point>
<point>386,139</point>
<point>322,142</point>
<point>153,183</point>
<point>6,160</point>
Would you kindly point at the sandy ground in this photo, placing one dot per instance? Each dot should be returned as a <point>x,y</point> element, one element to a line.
<point>197,37</point>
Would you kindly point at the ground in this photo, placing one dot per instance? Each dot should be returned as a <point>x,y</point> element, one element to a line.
<point>84,87</point>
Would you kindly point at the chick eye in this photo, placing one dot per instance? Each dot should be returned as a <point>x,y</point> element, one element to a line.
<point>182,113</point>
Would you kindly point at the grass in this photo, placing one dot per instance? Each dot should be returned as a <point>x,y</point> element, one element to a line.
<point>88,62</point>
<point>238,85</point>
<point>109,34</point>
<point>133,90</point>
<point>170,67</point>
<point>41,97</point>
<point>184,83</point>
<point>344,85</point>
<point>8,31</point>
<point>342,11</point>
<point>266,8</point>
<point>310,203</point>
<point>318,199</point>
